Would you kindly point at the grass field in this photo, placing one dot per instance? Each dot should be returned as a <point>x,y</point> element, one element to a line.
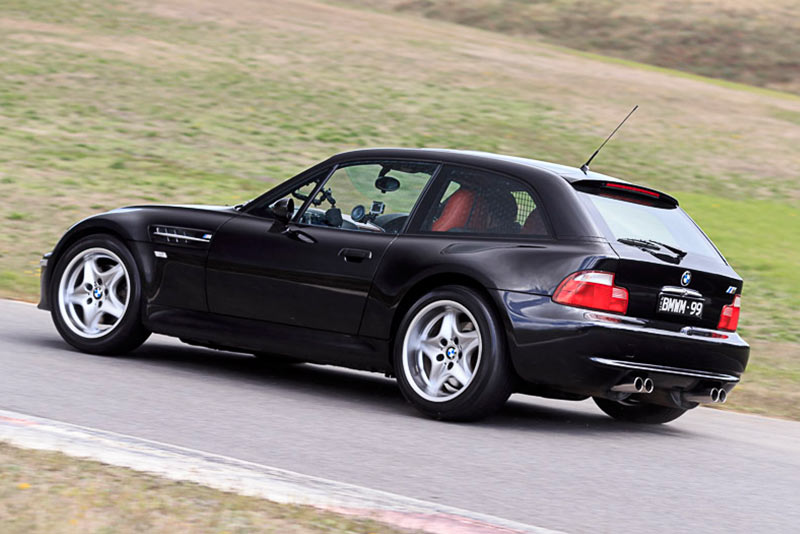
<point>107,103</point>
<point>85,496</point>
<point>752,42</point>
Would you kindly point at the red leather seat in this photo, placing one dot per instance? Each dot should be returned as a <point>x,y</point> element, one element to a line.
<point>480,215</point>
<point>456,211</point>
<point>495,212</point>
<point>534,225</point>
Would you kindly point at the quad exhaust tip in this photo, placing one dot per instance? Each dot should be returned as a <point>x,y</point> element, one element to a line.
<point>645,385</point>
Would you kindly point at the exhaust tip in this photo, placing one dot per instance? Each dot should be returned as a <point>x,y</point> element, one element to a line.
<point>648,385</point>
<point>638,384</point>
<point>722,396</point>
<point>714,395</point>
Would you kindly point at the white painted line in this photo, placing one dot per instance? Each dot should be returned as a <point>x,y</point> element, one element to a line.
<point>247,478</point>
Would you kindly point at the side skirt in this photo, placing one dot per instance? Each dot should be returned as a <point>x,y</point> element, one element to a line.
<point>247,335</point>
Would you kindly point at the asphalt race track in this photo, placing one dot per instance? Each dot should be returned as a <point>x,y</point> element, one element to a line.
<point>553,464</point>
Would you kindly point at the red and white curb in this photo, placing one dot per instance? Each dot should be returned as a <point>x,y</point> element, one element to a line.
<point>247,478</point>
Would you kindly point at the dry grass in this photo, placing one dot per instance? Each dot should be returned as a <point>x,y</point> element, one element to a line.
<point>47,492</point>
<point>746,42</point>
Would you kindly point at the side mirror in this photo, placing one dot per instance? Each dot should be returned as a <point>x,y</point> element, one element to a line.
<point>387,184</point>
<point>283,210</point>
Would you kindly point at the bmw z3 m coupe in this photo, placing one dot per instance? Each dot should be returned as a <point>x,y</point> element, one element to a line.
<point>468,276</point>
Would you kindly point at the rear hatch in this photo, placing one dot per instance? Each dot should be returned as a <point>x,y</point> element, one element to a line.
<point>672,271</point>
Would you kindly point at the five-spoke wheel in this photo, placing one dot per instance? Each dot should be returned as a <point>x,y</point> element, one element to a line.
<point>450,355</point>
<point>95,293</point>
<point>442,350</point>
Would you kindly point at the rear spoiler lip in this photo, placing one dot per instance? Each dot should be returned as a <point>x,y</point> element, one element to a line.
<point>593,185</point>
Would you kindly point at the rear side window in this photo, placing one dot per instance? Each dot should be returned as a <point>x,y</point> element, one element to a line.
<point>480,202</point>
<point>623,219</point>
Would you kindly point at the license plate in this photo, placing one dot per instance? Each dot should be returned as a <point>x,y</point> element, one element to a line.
<point>680,306</point>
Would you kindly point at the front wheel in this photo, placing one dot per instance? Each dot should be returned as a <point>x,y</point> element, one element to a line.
<point>640,412</point>
<point>450,358</point>
<point>96,294</point>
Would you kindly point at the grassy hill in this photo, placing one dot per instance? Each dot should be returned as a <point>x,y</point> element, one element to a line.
<point>107,103</point>
<point>752,42</point>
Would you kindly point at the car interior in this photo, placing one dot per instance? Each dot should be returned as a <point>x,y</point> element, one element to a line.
<point>378,197</point>
<point>487,204</point>
<point>373,197</point>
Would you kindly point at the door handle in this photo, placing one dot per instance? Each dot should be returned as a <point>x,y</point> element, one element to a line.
<point>355,255</point>
<point>299,235</point>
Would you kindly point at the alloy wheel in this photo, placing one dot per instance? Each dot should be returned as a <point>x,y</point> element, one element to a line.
<point>442,350</point>
<point>93,293</point>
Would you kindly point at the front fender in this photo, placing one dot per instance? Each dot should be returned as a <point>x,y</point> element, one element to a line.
<point>95,224</point>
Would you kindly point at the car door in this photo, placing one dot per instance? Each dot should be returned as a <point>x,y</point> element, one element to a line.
<point>316,271</point>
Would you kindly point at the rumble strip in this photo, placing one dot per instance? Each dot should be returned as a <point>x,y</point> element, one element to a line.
<point>247,478</point>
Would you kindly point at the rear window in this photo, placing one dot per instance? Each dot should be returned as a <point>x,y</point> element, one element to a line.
<point>621,219</point>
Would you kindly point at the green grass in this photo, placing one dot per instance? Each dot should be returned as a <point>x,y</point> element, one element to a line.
<point>759,238</point>
<point>104,104</point>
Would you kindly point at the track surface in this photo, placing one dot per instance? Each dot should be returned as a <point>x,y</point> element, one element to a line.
<point>553,464</point>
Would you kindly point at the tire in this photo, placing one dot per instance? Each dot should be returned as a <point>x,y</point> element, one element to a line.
<point>443,376</point>
<point>644,413</point>
<point>96,296</point>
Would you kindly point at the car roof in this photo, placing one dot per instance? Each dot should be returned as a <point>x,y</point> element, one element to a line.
<point>571,174</point>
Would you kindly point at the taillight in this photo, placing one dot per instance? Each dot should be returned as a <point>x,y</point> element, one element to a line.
<point>594,290</point>
<point>729,320</point>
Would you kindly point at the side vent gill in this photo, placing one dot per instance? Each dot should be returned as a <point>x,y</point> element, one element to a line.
<point>173,235</point>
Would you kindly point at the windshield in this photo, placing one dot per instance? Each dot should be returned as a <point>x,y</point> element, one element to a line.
<point>621,219</point>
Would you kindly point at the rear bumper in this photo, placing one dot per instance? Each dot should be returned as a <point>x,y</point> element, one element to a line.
<point>587,353</point>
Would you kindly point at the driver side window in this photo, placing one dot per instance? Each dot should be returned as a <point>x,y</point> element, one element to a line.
<point>369,197</point>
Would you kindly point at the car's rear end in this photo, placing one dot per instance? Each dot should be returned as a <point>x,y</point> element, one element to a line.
<point>656,324</point>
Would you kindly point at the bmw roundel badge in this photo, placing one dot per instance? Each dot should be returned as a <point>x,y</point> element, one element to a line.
<point>686,278</point>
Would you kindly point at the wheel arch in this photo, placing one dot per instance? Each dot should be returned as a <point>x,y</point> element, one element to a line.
<point>73,235</point>
<point>435,281</point>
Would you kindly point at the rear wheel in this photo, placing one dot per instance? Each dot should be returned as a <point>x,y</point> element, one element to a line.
<point>96,294</point>
<point>450,358</point>
<point>640,412</point>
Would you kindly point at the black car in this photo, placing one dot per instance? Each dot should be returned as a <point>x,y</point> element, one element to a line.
<point>468,276</point>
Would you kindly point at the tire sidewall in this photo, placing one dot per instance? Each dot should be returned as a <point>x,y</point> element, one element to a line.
<point>130,326</point>
<point>490,386</point>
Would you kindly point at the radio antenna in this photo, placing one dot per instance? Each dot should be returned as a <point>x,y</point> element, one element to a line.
<point>585,166</point>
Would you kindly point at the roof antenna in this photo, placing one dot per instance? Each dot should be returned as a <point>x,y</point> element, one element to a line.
<point>585,166</point>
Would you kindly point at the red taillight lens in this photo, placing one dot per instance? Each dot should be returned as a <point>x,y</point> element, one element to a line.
<point>729,320</point>
<point>594,290</point>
